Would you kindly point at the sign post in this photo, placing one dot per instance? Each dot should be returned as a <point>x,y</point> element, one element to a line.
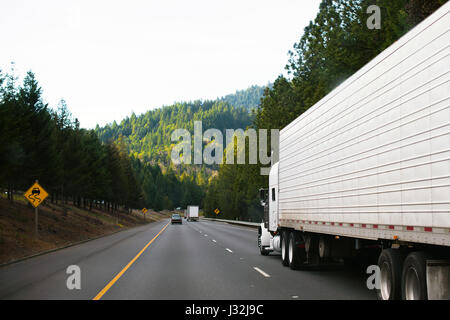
<point>36,222</point>
<point>36,195</point>
<point>144,211</point>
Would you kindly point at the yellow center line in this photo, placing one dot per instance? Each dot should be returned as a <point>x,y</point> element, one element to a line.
<point>117,277</point>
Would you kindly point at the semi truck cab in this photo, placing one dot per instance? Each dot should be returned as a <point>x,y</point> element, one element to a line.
<point>268,237</point>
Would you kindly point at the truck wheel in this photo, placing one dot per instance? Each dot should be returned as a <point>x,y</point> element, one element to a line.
<point>390,262</point>
<point>296,254</point>
<point>414,277</point>
<point>262,249</point>
<point>312,249</point>
<point>285,248</point>
<point>324,247</point>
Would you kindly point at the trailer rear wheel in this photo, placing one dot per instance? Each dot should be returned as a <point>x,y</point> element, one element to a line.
<point>285,248</point>
<point>324,247</point>
<point>297,252</point>
<point>312,249</point>
<point>390,262</point>
<point>414,277</point>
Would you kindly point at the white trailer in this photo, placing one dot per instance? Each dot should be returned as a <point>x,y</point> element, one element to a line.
<point>192,213</point>
<point>369,166</point>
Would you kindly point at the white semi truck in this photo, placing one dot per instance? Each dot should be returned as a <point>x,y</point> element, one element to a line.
<point>192,213</point>
<point>367,169</point>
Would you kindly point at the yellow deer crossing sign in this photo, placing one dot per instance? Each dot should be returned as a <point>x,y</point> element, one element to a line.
<point>36,194</point>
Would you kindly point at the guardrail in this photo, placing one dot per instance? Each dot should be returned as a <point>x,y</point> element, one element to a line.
<point>237,222</point>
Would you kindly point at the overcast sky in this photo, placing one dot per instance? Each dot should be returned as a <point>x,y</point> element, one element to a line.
<point>109,58</point>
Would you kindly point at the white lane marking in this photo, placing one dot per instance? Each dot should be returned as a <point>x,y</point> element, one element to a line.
<point>262,272</point>
<point>205,235</point>
<point>214,240</point>
<point>228,250</point>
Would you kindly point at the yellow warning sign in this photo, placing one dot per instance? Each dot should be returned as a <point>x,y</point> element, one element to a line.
<point>217,211</point>
<point>144,210</point>
<point>36,194</point>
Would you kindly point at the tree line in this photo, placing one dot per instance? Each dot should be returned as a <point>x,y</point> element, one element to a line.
<point>71,163</point>
<point>147,139</point>
<point>148,136</point>
<point>98,168</point>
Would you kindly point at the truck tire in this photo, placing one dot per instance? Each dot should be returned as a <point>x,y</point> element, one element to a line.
<point>414,277</point>
<point>296,251</point>
<point>262,249</point>
<point>390,262</point>
<point>285,248</point>
<point>324,247</point>
<point>312,249</point>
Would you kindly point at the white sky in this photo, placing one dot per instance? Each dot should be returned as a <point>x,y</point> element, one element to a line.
<point>109,58</point>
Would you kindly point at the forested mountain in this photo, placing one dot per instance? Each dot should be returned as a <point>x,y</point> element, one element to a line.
<point>124,164</point>
<point>249,98</point>
<point>74,165</point>
<point>333,47</point>
<point>148,136</point>
<point>147,139</point>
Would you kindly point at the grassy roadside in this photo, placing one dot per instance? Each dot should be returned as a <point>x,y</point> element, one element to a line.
<point>57,227</point>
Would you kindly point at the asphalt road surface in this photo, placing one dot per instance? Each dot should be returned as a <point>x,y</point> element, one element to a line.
<point>196,260</point>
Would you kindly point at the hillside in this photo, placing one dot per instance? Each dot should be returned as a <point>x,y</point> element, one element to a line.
<point>249,98</point>
<point>147,136</point>
<point>59,226</point>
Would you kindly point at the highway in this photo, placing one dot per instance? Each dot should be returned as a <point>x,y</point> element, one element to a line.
<point>195,261</point>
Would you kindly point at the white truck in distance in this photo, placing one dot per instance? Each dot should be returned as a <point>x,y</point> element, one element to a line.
<point>192,213</point>
<point>366,171</point>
